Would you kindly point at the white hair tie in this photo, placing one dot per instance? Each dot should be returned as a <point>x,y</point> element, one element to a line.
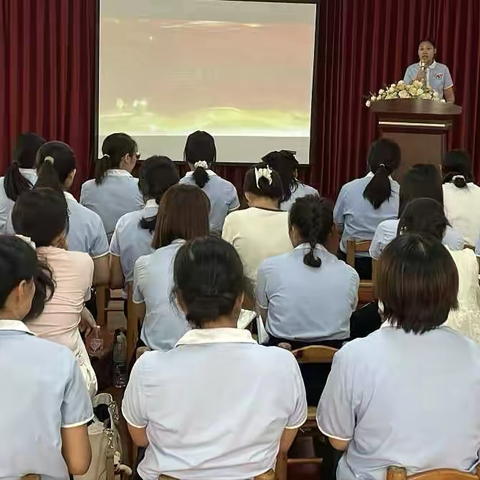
<point>27,240</point>
<point>201,164</point>
<point>458,177</point>
<point>50,160</point>
<point>263,173</point>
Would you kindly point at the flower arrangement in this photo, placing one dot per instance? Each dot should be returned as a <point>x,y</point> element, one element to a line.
<point>401,90</point>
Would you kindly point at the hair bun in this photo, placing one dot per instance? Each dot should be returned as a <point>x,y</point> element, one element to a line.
<point>459,181</point>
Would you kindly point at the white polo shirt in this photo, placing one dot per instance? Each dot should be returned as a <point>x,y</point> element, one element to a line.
<point>404,399</point>
<point>42,392</point>
<point>117,195</point>
<point>130,241</point>
<point>301,190</point>
<point>164,323</point>
<point>223,198</point>
<point>86,233</point>
<point>215,406</point>
<point>304,303</point>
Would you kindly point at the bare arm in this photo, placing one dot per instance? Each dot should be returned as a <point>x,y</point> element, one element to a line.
<point>288,436</point>
<point>101,272</point>
<point>116,273</point>
<point>139,436</point>
<point>76,449</point>
<point>449,95</point>
<point>340,445</point>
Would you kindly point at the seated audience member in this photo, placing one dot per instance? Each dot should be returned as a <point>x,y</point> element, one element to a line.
<point>461,195</point>
<point>20,176</point>
<point>56,165</point>
<point>261,231</point>
<point>42,215</point>
<point>285,164</point>
<point>419,181</point>
<point>307,296</point>
<point>134,231</point>
<point>410,391</point>
<point>44,403</point>
<point>200,154</point>
<point>114,192</point>
<point>426,217</point>
<point>366,202</point>
<point>183,215</point>
<point>218,405</point>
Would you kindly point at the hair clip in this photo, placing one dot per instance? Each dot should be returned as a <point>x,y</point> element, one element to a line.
<point>201,164</point>
<point>49,159</point>
<point>382,165</point>
<point>263,173</point>
<point>106,155</point>
<point>27,240</point>
<point>458,177</point>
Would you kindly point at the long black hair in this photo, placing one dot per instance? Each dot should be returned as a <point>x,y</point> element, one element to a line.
<point>114,148</point>
<point>156,176</point>
<point>200,147</point>
<point>384,158</point>
<point>23,157</point>
<point>312,216</point>
<point>19,262</point>
<point>55,162</point>
<point>457,168</point>
<point>285,164</point>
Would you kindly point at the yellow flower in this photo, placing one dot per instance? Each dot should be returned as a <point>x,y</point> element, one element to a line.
<point>403,94</point>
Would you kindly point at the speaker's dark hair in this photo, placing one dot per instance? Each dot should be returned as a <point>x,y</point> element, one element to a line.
<point>55,162</point>
<point>200,147</point>
<point>457,168</point>
<point>285,164</point>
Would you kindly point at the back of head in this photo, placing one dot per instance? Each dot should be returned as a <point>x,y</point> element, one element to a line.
<point>114,149</point>
<point>262,181</point>
<point>420,181</point>
<point>209,280</point>
<point>312,217</point>
<point>384,158</point>
<point>156,176</point>
<point>200,153</point>
<point>23,157</point>
<point>417,282</point>
<point>55,162</point>
<point>457,168</point>
<point>42,215</point>
<point>285,164</point>
<point>19,262</point>
<point>183,214</point>
<point>424,216</point>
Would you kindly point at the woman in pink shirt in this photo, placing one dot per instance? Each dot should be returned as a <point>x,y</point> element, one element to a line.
<point>42,215</point>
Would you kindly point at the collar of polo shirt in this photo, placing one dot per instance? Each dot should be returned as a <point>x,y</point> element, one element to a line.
<point>69,196</point>
<point>15,325</point>
<point>431,67</point>
<point>215,335</point>
<point>151,203</point>
<point>211,173</point>
<point>117,172</point>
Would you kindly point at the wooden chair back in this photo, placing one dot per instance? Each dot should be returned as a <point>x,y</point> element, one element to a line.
<point>132,323</point>
<point>315,354</point>
<point>354,247</point>
<point>399,473</point>
<point>103,297</point>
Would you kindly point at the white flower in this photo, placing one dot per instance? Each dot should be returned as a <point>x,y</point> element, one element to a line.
<point>389,97</point>
<point>443,100</point>
<point>391,90</point>
<point>403,94</point>
<point>368,104</point>
<point>413,92</point>
<point>373,99</point>
<point>401,82</point>
<point>393,85</point>
<point>381,91</point>
<point>435,94</point>
<point>420,91</point>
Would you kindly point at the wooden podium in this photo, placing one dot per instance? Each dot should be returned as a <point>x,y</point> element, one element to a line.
<point>420,127</point>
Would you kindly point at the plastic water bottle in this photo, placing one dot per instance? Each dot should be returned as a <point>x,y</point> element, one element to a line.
<point>120,360</point>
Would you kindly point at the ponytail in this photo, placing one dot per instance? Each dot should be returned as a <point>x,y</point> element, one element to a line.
<point>48,175</point>
<point>200,174</point>
<point>101,166</point>
<point>379,189</point>
<point>458,180</point>
<point>457,168</point>
<point>313,235</point>
<point>15,183</point>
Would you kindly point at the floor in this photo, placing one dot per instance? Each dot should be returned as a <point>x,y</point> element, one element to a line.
<point>116,319</point>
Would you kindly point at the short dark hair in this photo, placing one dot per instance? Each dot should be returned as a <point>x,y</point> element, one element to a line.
<point>23,157</point>
<point>457,167</point>
<point>424,216</point>
<point>428,40</point>
<point>61,162</point>
<point>157,174</point>
<point>417,282</point>
<point>200,147</point>
<point>313,218</point>
<point>18,262</point>
<point>208,279</point>
<point>264,188</point>
<point>420,181</point>
<point>114,148</point>
<point>384,158</point>
<point>183,214</point>
<point>41,214</point>
<point>285,164</point>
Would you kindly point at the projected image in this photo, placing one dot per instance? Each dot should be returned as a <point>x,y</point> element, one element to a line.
<point>231,68</point>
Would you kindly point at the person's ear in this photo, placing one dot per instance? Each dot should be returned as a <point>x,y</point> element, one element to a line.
<point>70,178</point>
<point>333,241</point>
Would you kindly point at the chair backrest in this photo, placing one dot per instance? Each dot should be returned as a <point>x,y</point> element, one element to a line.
<point>399,473</point>
<point>132,322</point>
<point>315,354</point>
<point>353,247</point>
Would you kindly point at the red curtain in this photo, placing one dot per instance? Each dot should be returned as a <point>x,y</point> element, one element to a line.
<point>47,74</point>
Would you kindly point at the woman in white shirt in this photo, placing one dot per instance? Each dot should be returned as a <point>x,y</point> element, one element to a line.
<point>218,405</point>
<point>20,176</point>
<point>134,231</point>
<point>285,164</point>
<point>183,215</point>
<point>261,231</point>
<point>366,202</point>
<point>114,192</point>
<point>200,154</point>
<point>461,195</point>
<point>409,393</point>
